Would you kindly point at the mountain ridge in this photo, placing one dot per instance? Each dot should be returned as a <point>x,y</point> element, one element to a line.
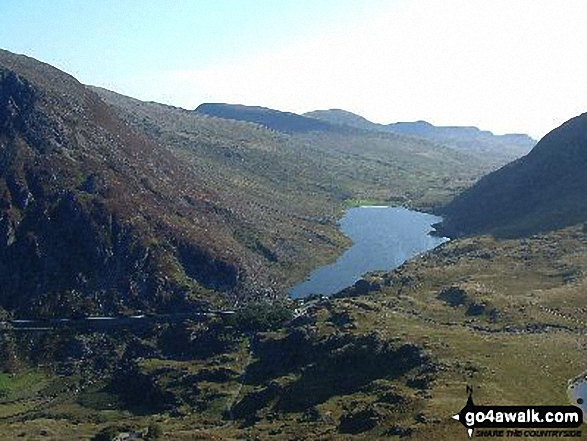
<point>274,119</point>
<point>463,138</point>
<point>540,192</point>
<point>73,176</point>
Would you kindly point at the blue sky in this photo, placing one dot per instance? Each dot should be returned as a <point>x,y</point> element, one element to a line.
<point>101,40</point>
<point>502,65</point>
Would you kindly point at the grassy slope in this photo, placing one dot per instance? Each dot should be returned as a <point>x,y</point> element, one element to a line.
<point>524,354</point>
<point>289,190</point>
<point>403,170</point>
<point>341,162</point>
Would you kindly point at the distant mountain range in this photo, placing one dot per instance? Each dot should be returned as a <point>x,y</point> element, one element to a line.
<point>500,148</point>
<point>469,139</point>
<point>542,191</point>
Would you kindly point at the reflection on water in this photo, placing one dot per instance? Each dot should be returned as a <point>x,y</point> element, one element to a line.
<point>383,238</point>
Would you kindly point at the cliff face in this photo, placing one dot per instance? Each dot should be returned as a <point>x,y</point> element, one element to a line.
<point>94,218</point>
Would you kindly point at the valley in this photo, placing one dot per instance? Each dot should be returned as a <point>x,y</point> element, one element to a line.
<point>332,372</point>
<point>186,228</point>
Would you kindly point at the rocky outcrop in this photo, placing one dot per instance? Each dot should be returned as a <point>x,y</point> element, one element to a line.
<point>97,219</point>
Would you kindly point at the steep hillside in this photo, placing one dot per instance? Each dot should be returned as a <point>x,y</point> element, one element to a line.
<point>273,119</point>
<point>284,203</point>
<point>96,218</point>
<point>342,164</point>
<point>543,191</point>
<point>390,358</point>
<point>495,149</point>
<point>142,206</point>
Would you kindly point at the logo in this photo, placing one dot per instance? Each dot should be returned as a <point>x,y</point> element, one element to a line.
<point>516,418</point>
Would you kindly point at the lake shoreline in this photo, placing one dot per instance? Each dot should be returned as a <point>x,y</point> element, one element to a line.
<point>383,237</point>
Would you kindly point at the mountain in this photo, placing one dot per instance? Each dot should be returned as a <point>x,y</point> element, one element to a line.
<point>344,118</point>
<point>96,218</point>
<point>500,149</point>
<point>273,119</point>
<point>337,164</point>
<point>542,191</point>
<point>110,205</point>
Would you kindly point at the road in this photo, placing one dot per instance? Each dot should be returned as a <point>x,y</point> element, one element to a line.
<point>105,322</point>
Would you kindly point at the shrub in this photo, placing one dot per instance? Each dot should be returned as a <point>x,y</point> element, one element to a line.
<point>259,317</point>
<point>106,434</point>
<point>154,431</point>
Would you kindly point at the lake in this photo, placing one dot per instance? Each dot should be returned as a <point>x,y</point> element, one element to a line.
<point>578,393</point>
<point>383,238</point>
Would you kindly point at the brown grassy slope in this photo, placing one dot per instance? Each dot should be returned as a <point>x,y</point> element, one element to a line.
<point>94,210</point>
<point>288,189</point>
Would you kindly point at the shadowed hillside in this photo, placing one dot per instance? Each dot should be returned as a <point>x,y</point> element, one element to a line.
<point>95,217</point>
<point>541,192</point>
<point>273,119</point>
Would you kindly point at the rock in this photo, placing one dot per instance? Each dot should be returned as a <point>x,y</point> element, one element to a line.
<point>475,309</point>
<point>359,421</point>
<point>453,296</point>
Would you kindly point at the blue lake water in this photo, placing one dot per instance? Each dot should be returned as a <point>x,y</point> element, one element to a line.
<point>383,238</point>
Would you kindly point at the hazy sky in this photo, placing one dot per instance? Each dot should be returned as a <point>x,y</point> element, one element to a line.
<point>503,65</point>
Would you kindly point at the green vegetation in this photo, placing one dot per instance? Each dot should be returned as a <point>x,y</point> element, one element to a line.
<point>106,434</point>
<point>261,316</point>
<point>18,386</point>
<point>152,208</point>
<point>351,203</point>
<point>286,191</point>
<point>154,431</point>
